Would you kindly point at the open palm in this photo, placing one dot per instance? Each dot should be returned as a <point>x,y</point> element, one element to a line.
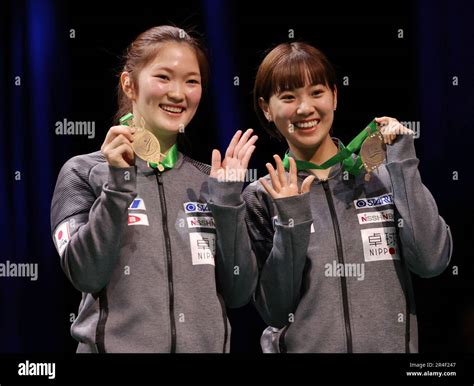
<point>237,157</point>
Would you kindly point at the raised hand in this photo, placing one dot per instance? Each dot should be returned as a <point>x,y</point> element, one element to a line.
<point>391,128</point>
<point>282,185</point>
<point>237,157</point>
<point>117,146</point>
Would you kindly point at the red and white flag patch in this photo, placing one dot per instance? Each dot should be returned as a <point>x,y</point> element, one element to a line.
<point>62,236</point>
<point>138,219</point>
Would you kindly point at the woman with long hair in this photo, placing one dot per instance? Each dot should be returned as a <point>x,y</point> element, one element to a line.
<point>157,245</point>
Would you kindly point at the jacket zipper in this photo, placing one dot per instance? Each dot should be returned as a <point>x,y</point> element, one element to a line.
<point>340,257</point>
<point>164,218</point>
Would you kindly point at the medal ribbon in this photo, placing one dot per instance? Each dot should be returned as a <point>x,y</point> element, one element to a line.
<point>170,159</point>
<point>344,155</point>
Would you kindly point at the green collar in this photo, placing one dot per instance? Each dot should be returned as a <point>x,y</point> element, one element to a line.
<point>170,159</point>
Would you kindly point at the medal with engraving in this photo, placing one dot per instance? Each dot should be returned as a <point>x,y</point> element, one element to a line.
<point>372,153</point>
<point>145,144</point>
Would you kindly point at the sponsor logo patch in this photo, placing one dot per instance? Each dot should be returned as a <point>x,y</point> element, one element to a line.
<point>373,202</point>
<point>62,236</point>
<point>138,203</point>
<point>196,207</point>
<point>380,244</point>
<point>371,217</point>
<point>201,222</point>
<point>203,247</point>
<point>138,219</point>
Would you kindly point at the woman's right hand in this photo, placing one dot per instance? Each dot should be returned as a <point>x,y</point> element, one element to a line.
<point>117,146</point>
<point>283,185</point>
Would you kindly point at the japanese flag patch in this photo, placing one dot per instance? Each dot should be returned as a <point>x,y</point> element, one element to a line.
<point>62,237</point>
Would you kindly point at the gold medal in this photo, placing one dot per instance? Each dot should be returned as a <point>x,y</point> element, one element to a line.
<point>146,146</point>
<point>372,153</point>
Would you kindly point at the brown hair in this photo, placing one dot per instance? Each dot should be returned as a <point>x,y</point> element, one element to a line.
<point>286,67</point>
<point>143,50</point>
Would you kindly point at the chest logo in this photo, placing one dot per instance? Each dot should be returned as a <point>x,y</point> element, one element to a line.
<point>380,244</point>
<point>138,219</point>
<point>371,217</point>
<point>373,202</point>
<point>137,204</point>
<point>196,207</point>
<point>203,247</point>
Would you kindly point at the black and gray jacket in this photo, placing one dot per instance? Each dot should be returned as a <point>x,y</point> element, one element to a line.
<point>157,256</point>
<point>335,262</point>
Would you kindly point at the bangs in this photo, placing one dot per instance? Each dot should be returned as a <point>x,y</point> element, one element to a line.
<point>286,67</point>
<point>298,70</point>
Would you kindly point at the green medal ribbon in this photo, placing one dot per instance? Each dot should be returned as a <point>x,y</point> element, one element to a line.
<point>344,154</point>
<point>125,120</point>
<point>170,159</point>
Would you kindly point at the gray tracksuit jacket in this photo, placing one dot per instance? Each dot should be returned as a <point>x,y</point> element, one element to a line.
<point>157,256</point>
<point>335,262</point>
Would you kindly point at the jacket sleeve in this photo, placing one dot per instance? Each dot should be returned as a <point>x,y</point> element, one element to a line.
<point>426,240</point>
<point>280,249</point>
<point>87,229</point>
<point>236,267</point>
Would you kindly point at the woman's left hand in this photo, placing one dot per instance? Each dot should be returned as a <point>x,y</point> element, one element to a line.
<point>237,157</point>
<point>391,128</point>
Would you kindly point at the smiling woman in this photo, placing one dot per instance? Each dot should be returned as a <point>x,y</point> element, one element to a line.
<point>158,250</point>
<point>297,96</point>
<point>165,72</point>
<point>335,251</point>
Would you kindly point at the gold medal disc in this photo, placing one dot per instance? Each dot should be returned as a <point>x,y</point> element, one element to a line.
<point>146,146</point>
<point>372,153</point>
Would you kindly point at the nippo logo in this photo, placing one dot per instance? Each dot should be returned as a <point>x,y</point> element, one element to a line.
<point>380,244</point>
